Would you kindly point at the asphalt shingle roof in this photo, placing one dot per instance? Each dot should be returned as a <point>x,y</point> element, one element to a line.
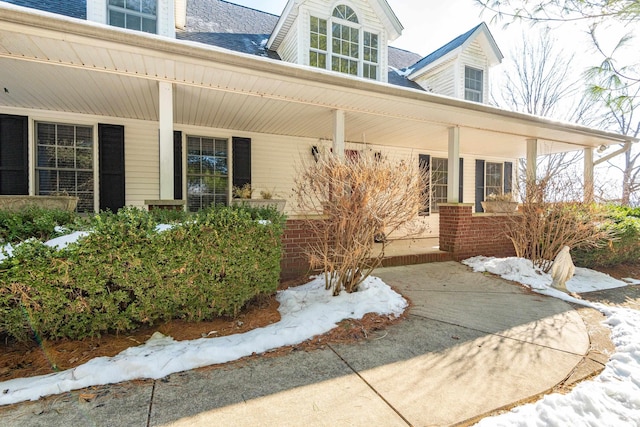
<point>218,16</point>
<point>72,8</point>
<point>230,26</point>
<point>400,58</point>
<point>449,47</point>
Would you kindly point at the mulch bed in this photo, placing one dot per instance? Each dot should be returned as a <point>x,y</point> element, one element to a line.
<point>29,359</point>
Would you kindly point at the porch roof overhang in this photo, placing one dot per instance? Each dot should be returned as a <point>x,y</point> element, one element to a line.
<point>63,64</point>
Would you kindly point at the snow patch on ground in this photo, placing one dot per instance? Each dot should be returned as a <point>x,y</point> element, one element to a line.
<point>523,271</point>
<point>306,311</point>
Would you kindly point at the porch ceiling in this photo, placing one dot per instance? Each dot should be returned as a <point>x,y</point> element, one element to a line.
<point>68,65</point>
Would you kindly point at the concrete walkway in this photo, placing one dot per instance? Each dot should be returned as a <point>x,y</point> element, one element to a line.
<point>471,344</point>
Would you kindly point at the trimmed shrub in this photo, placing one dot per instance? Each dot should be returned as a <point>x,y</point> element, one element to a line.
<point>32,222</point>
<point>125,274</point>
<point>624,247</point>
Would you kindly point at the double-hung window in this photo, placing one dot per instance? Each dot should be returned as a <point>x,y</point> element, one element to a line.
<point>473,81</point>
<point>436,174</point>
<point>341,44</point>
<point>138,15</point>
<point>494,179</point>
<point>207,172</point>
<point>64,162</point>
<point>439,182</point>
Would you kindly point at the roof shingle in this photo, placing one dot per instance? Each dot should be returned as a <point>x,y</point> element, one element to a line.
<point>72,8</point>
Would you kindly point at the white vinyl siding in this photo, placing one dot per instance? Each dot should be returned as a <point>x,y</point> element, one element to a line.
<point>448,78</point>
<point>141,159</point>
<point>289,48</point>
<point>440,80</point>
<point>474,57</point>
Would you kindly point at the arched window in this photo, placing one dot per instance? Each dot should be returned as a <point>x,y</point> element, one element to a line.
<point>340,44</point>
<point>346,13</point>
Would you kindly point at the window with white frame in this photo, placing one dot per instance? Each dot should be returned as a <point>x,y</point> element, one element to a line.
<point>473,81</point>
<point>494,179</point>
<point>436,183</point>
<point>207,172</point>
<point>351,49</point>
<point>64,162</point>
<point>439,182</point>
<point>138,15</point>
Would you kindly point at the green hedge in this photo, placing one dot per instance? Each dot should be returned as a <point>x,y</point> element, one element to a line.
<point>32,222</point>
<point>624,248</point>
<point>124,274</point>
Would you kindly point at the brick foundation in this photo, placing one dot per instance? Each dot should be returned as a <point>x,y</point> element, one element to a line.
<point>462,235</point>
<point>465,234</point>
<point>295,240</point>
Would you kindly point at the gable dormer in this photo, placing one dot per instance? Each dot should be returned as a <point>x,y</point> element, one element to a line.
<point>349,36</point>
<point>460,68</point>
<point>150,16</point>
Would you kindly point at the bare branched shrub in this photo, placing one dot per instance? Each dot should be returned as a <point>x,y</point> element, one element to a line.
<point>359,197</point>
<point>552,216</point>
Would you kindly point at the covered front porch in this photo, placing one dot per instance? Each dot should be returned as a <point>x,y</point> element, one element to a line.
<point>158,92</point>
<point>88,73</point>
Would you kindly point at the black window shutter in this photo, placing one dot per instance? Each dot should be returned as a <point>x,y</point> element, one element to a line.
<point>479,185</point>
<point>508,177</point>
<point>424,160</point>
<point>111,164</point>
<point>177,165</point>
<point>14,155</point>
<point>241,152</point>
<point>461,187</point>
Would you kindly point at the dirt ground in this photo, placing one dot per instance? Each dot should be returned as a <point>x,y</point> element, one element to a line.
<point>30,359</point>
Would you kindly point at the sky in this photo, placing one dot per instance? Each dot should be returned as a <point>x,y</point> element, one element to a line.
<point>609,399</point>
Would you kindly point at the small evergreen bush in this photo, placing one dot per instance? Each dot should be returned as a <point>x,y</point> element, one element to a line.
<point>125,274</point>
<point>32,222</point>
<point>623,248</point>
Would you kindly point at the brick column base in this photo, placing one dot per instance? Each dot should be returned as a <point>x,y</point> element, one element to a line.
<point>465,234</point>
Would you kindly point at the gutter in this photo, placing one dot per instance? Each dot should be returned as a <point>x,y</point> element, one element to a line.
<point>624,149</point>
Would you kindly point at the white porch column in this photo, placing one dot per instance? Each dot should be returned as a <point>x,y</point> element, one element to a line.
<point>166,139</point>
<point>588,174</point>
<point>453,187</point>
<point>532,159</point>
<point>338,133</point>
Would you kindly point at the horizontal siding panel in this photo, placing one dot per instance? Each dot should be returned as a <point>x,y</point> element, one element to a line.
<point>142,154</point>
<point>441,80</point>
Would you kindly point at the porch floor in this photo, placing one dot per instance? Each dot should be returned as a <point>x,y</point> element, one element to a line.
<point>412,251</point>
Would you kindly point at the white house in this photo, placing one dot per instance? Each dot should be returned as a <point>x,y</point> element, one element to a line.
<point>123,102</point>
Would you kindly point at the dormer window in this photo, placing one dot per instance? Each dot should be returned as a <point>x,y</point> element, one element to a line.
<point>473,80</point>
<point>351,51</point>
<point>138,15</point>
<point>346,13</point>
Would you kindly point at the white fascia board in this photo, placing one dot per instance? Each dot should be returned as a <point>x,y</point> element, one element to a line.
<point>283,24</point>
<point>392,23</point>
<point>488,43</point>
<point>435,64</point>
